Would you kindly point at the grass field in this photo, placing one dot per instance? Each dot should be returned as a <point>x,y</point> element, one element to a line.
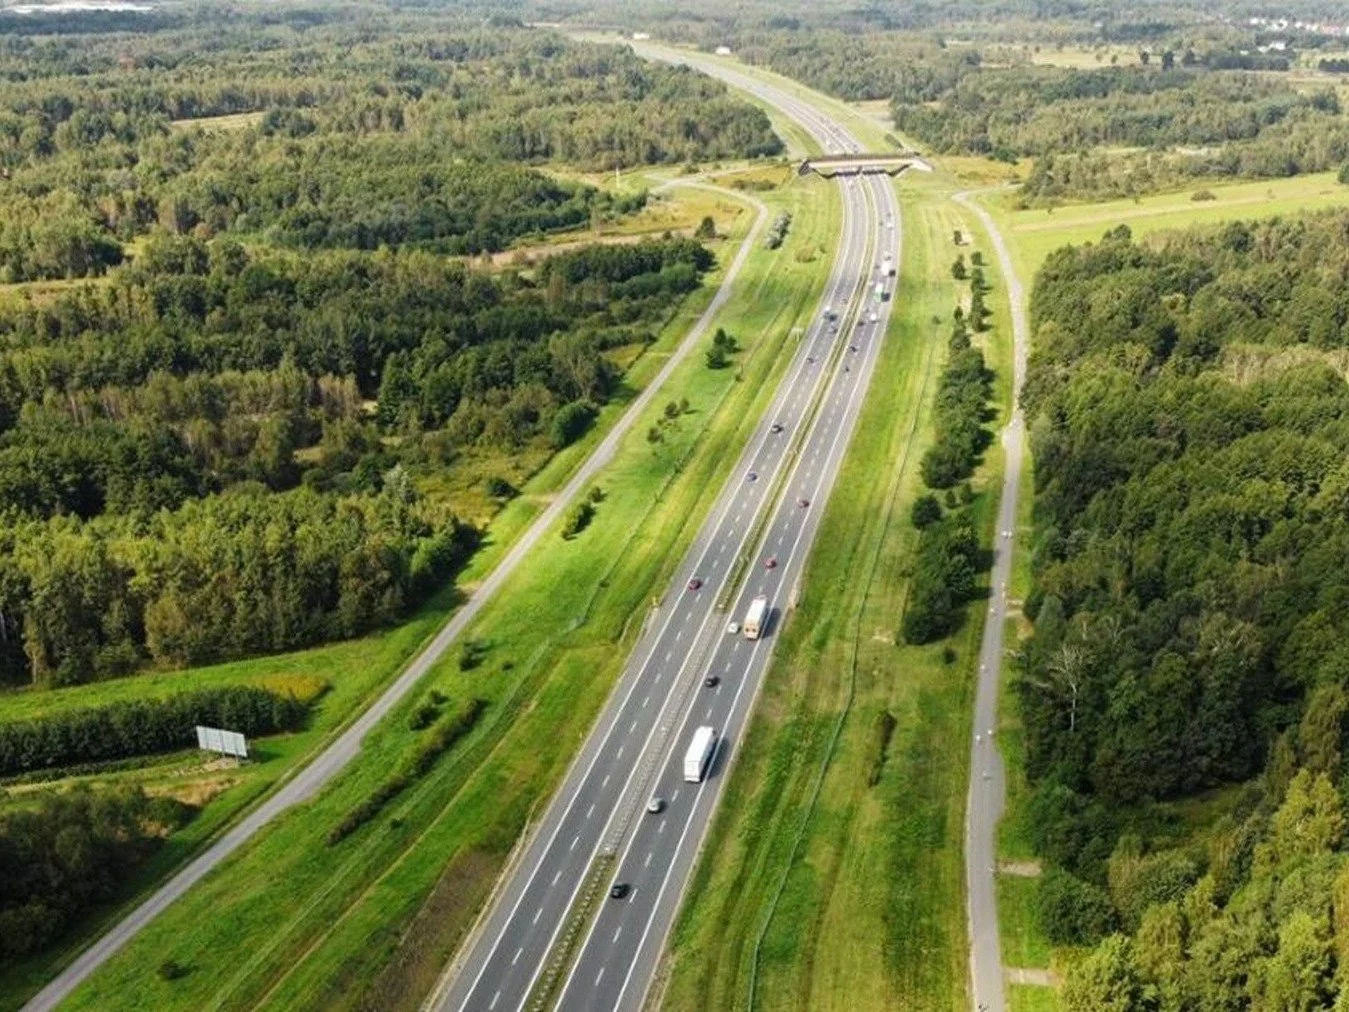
<point>373,919</point>
<point>1034,233</point>
<point>871,914</point>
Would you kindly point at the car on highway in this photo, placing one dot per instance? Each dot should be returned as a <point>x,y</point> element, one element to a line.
<point>695,583</point>
<point>732,628</point>
<point>771,562</point>
<point>875,318</point>
<point>753,476</point>
<point>712,681</point>
<point>803,502</point>
<point>775,427</point>
<point>655,806</point>
<point>852,347</point>
<point>810,359</point>
<point>618,890</point>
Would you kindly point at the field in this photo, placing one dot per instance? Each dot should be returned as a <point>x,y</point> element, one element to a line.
<point>1033,233</point>
<point>374,918</point>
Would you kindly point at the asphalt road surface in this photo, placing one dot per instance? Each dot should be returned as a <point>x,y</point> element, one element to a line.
<point>689,669</point>
<point>988,787</point>
<point>334,758</point>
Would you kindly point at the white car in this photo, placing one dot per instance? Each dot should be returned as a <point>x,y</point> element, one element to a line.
<point>733,628</point>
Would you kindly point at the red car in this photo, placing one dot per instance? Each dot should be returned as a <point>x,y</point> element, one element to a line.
<point>695,583</point>
<point>771,562</point>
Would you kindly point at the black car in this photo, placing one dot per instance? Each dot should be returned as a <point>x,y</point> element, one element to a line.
<point>712,681</point>
<point>618,890</point>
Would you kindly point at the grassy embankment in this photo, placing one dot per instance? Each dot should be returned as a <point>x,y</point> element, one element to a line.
<point>355,669</point>
<point>872,911</point>
<point>374,918</point>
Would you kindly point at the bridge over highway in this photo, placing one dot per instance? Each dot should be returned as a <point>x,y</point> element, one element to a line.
<point>862,164</point>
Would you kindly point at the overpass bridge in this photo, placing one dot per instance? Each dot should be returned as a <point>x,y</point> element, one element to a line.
<point>861,164</point>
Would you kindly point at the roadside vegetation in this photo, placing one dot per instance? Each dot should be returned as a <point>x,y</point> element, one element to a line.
<point>376,921</point>
<point>847,891</point>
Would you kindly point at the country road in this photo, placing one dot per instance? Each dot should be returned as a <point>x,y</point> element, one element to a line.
<point>347,745</point>
<point>691,669</point>
<point>988,785</point>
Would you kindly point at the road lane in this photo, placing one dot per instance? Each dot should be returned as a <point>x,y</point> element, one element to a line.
<point>593,806</point>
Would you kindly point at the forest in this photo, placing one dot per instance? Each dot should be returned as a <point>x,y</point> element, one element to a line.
<point>1185,121</point>
<point>212,438</point>
<point>411,132</point>
<point>1190,419</point>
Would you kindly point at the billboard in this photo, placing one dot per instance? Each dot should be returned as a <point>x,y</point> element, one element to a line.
<point>213,739</point>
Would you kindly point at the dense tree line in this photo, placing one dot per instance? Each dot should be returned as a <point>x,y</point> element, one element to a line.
<point>203,367</point>
<point>1191,123</point>
<point>1192,509</point>
<point>240,573</point>
<point>960,409</point>
<point>67,852</point>
<point>142,726</point>
<point>398,129</point>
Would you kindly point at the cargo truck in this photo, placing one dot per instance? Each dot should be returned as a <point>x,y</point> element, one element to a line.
<point>755,617</point>
<point>880,291</point>
<point>699,754</point>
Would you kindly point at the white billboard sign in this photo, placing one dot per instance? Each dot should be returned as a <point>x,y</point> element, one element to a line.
<point>213,739</point>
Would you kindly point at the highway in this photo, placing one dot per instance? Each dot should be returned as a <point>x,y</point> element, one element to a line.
<point>688,668</point>
<point>988,785</point>
<point>337,754</point>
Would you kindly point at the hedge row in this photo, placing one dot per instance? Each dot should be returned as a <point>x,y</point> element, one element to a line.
<point>142,727</point>
<point>438,741</point>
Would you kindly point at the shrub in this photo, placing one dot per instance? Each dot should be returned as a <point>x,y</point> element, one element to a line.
<point>1071,911</point>
<point>926,511</point>
<point>1202,195</point>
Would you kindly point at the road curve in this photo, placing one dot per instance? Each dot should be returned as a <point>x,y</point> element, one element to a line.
<point>988,786</point>
<point>687,669</point>
<point>334,757</point>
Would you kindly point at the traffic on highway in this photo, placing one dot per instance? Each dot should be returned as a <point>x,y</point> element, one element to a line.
<point>624,829</point>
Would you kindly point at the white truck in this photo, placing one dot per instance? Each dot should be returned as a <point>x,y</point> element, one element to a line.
<point>754,618</point>
<point>888,266</point>
<point>699,754</point>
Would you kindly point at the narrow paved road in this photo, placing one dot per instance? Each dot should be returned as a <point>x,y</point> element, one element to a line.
<point>334,758</point>
<point>691,669</point>
<point>988,787</point>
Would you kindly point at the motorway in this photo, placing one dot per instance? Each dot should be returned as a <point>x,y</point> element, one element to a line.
<point>688,669</point>
<point>337,754</point>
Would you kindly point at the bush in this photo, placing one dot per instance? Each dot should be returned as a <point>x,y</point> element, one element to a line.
<point>171,969</point>
<point>1071,911</point>
<point>1203,195</point>
<point>143,727</point>
<point>1343,176</point>
<point>926,511</point>
<point>571,422</point>
<point>500,488</point>
<point>578,518</point>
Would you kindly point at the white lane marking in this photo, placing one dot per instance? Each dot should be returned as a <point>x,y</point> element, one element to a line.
<point>620,753</point>
<point>576,839</point>
<point>605,781</point>
<point>495,998</point>
<point>590,811</point>
<point>516,958</point>
<point>674,797</point>
<point>645,699</point>
<point>537,914</point>
<point>599,976</point>
<point>709,713</point>
<point>633,727</point>
<point>660,828</point>
<point>617,931</point>
<point>647,862</point>
<point>668,653</point>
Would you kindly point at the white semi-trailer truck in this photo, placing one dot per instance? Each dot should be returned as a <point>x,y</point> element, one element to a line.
<point>699,754</point>
<point>754,618</point>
